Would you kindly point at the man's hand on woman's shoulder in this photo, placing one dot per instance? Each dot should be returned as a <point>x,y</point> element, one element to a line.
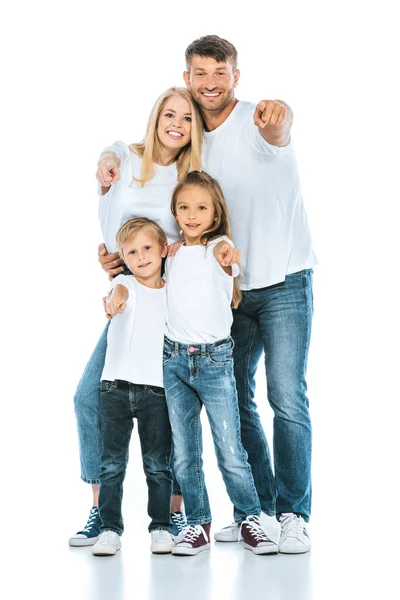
<point>111,263</point>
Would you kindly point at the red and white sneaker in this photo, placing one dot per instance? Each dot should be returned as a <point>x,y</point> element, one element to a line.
<point>255,538</point>
<point>192,540</point>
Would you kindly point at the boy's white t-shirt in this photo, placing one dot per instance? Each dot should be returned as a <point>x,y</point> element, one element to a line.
<point>135,338</point>
<point>126,199</point>
<point>199,295</point>
<point>261,186</point>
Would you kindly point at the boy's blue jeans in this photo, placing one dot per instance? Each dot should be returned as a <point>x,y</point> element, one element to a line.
<point>120,402</point>
<point>203,374</point>
<point>87,406</point>
<point>277,321</point>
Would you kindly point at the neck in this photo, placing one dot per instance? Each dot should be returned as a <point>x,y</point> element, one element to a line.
<point>215,118</point>
<point>155,281</point>
<point>167,156</point>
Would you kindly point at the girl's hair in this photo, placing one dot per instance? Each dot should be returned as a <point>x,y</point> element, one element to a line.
<point>131,228</point>
<point>221,225</point>
<point>189,157</point>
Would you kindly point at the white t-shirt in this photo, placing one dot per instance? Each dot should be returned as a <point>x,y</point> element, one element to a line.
<point>261,186</point>
<point>135,338</point>
<point>199,295</point>
<point>126,199</point>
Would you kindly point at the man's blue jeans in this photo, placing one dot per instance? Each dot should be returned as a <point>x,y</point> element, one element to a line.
<point>120,402</point>
<point>87,406</point>
<point>203,374</point>
<point>277,321</point>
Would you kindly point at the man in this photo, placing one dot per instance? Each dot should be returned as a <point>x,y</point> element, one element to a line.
<point>247,148</point>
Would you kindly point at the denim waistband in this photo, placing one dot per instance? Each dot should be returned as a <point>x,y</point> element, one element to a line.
<point>201,349</point>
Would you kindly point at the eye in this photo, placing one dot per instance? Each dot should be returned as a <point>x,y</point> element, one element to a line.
<point>132,251</point>
<point>188,119</point>
<point>169,115</point>
<point>182,207</point>
<point>202,207</point>
<point>147,247</point>
<point>199,74</point>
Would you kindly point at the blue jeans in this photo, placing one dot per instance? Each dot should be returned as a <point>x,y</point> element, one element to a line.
<point>193,376</point>
<point>87,403</point>
<point>120,402</point>
<point>277,321</point>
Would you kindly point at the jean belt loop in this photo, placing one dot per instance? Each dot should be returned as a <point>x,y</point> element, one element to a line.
<point>176,348</point>
<point>203,348</point>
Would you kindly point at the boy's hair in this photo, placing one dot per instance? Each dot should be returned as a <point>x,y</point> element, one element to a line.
<point>131,228</point>
<point>149,149</point>
<point>221,225</point>
<point>211,45</point>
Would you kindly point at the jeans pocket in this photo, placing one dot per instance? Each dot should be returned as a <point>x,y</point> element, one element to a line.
<point>105,386</point>
<point>167,356</point>
<point>220,357</point>
<point>157,391</point>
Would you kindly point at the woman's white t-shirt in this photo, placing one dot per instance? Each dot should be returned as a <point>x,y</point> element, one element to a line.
<point>199,295</point>
<point>126,199</point>
<point>135,338</point>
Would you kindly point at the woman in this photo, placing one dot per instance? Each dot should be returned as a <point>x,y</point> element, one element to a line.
<point>142,176</point>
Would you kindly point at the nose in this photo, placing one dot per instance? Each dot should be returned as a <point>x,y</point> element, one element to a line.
<point>210,83</point>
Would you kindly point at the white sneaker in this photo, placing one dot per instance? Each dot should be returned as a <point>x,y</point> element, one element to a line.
<point>161,541</point>
<point>231,533</point>
<point>294,537</point>
<point>108,544</point>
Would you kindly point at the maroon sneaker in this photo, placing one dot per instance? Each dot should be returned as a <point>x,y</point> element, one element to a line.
<point>192,540</point>
<point>255,538</point>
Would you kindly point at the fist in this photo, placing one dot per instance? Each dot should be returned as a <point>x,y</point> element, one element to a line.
<point>107,171</point>
<point>228,255</point>
<point>269,112</point>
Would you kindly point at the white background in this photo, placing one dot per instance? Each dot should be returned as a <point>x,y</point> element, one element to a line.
<point>79,75</point>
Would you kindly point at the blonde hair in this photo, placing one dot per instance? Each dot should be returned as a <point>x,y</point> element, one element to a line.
<point>189,157</point>
<point>132,227</point>
<point>221,225</point>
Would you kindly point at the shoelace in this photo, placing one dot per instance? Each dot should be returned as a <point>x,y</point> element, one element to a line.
<point>191,533</point>
<point>292,525</point>
<point>253,523</point>
<point>91,520</point>
<point>179,520</point>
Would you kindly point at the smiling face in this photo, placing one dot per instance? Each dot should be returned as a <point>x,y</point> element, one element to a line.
<point>211,83</point>
<point>174,126</point>
<point>143,254</point>
<point>195,213</point>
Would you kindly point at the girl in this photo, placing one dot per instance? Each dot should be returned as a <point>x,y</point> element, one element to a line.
<point>143,177</point>
<point>198,364</point>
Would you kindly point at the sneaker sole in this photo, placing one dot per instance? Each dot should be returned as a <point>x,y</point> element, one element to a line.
<point>79,542</point>
<point>106,552</point>
<point>294,550</point>
<point>161,549</point>
<point>262,549</point>
<point>189,551</point>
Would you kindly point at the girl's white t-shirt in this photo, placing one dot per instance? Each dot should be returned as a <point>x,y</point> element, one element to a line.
<point>126,199</point>
<point>262,190</point>
<point>199,295</point>
<point>135,338</point>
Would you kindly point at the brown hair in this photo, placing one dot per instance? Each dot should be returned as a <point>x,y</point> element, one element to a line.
<point>132,228</point>
<point>211,45</point>
<point>189,157</point>
<point>221,225</point>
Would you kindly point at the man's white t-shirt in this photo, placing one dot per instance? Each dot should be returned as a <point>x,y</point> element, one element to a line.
<point>199,295</point>
<point>261,186</point>
<point>135,338</point>
<point>126,199</point>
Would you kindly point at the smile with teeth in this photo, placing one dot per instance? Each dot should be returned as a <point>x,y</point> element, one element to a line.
<point>192,225</point>
<point>175,134</point>
<point>211,94</point>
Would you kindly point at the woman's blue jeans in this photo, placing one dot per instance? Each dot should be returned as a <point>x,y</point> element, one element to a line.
<point>87,411</point>
<point>277,321</point>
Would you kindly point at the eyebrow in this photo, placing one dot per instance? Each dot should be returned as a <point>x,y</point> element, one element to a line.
<point>217,69</point>
<point>174,111</point>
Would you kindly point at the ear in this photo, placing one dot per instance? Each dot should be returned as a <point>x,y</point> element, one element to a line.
<point>165,251</point>
<point>236,78</point>
<point>186,79</point>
